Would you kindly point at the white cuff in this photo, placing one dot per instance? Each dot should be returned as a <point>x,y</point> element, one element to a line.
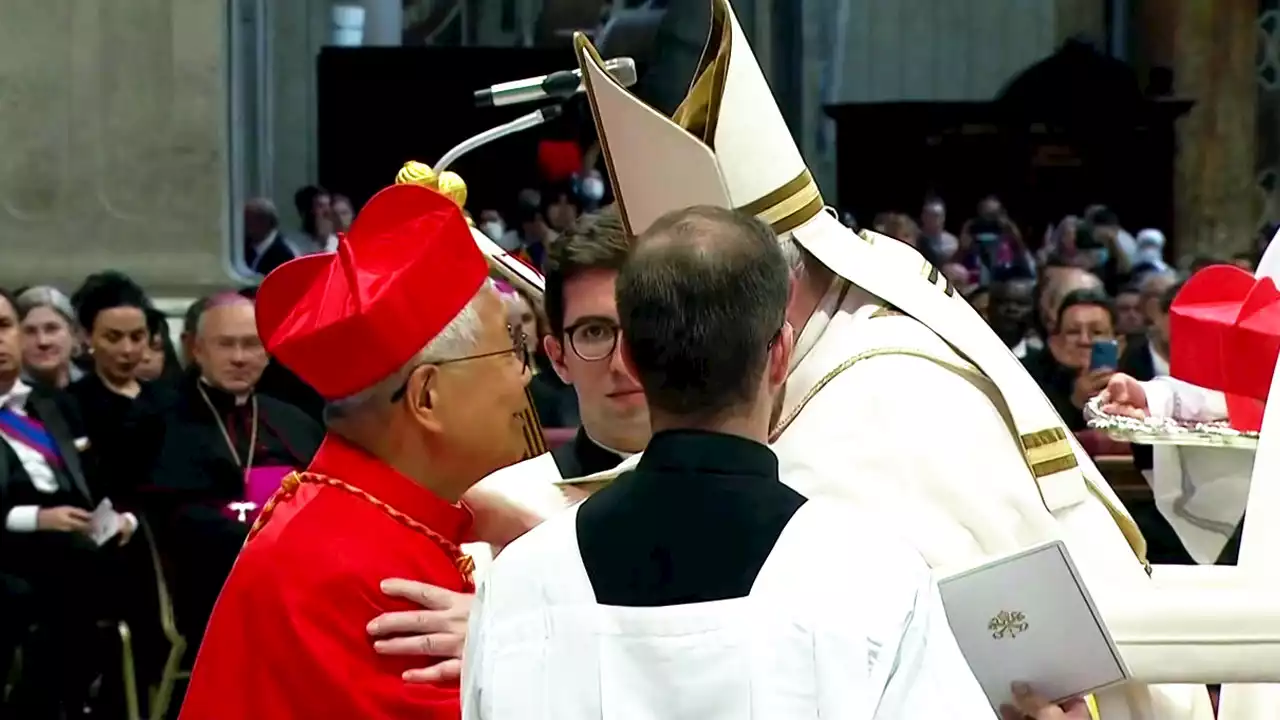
<point>1160,393</point>
<point>23,519</point>
<point>131,519</point>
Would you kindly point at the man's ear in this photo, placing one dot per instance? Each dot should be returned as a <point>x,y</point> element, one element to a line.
<point>555,352</point>
<point>780,355</point>
<point>422,395</point>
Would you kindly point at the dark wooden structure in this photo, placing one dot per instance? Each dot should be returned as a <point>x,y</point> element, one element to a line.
<point>1072,130</point>
<point>379,107</point>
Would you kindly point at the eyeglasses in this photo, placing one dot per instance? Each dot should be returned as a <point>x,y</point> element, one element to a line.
<point>519,347</point>
<point>593,339</point>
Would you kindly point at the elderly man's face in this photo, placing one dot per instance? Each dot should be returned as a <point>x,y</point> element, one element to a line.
<point>227,348</point>
<point>477,401</point>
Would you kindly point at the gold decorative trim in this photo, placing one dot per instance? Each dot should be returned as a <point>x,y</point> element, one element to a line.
<point>699,111</point>
<point>793,204</point>
<point>535,442</point>
<point>970,374</point>
<point>581,44</point>
<point>936,278</point>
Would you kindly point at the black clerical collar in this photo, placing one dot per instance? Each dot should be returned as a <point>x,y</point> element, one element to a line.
<point>224,401</point>
<point>701,451</point>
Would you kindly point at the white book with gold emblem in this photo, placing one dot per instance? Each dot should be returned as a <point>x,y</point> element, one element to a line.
<point>1027,617</point>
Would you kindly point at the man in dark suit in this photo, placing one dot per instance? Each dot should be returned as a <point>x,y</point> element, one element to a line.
<point>46,501</point>
<point>265,248</point>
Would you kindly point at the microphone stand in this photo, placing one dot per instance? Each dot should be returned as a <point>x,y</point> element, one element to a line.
<point>515,271</point>
<point>524,122</point>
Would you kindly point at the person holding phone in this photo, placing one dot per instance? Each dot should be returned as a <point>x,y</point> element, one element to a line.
<point>1087,351</point>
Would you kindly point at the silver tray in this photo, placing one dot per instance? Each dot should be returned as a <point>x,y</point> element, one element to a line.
<point>1168,431</point>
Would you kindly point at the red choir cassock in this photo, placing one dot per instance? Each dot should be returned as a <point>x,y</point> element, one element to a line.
<point>287,638</point>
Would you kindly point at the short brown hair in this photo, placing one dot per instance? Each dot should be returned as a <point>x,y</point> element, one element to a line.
<point>595,241</point>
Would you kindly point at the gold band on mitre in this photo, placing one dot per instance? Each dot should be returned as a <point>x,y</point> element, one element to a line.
<point>795,203</point>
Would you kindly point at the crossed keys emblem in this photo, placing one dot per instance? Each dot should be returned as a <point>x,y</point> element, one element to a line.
<point>1008,624</point>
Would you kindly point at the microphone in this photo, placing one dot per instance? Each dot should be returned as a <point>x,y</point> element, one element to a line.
<point>558,85</point>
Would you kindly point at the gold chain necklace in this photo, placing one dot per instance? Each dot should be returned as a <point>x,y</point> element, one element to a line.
<point>247,464</point>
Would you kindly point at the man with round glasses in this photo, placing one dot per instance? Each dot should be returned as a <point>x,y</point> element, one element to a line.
<point>581,272</point>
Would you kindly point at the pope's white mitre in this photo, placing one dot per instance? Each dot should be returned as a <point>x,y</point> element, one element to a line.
<point>709,153</point>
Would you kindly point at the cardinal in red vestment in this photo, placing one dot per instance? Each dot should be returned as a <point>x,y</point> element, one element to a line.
<point>403,335</point>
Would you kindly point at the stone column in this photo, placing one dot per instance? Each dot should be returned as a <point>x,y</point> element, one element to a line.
<point>1210,47</point>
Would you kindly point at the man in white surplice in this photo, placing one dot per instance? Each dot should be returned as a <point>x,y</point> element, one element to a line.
<point>698,587</point>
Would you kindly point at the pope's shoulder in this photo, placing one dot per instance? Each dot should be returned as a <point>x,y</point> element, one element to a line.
<point>898,372</point>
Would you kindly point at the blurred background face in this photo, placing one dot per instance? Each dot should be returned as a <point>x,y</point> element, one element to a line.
<point>117,340</point>
<point>561,213</point>
<point>151,366</point>
<point>1082,326</point>
<point>932,219</point>
<point>47,341</point>
<point>610,401</point>
<point>227,348</point>
<point>322,215</point>
<point>990,209</point>
<point>1129,316</point>
<point>10,343</point>
<point>1011,308</point>
<point>343,213</point>
<point>475,400</point>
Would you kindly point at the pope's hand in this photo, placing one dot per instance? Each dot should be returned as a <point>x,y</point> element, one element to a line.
<point>439,630</point>
<point>1030,706</point>
<point>1124,396</point>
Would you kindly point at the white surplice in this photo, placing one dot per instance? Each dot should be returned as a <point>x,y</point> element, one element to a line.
<point>870,642</point>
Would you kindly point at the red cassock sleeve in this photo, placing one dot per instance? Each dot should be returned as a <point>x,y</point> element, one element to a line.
<point>288,639</point>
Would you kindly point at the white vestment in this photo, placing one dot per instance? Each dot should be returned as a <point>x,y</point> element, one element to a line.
<point>920,444</point>
<point>869,642</point>
<point>1201,491</point>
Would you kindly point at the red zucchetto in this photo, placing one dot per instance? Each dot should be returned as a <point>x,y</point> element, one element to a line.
<point>343,321</point>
